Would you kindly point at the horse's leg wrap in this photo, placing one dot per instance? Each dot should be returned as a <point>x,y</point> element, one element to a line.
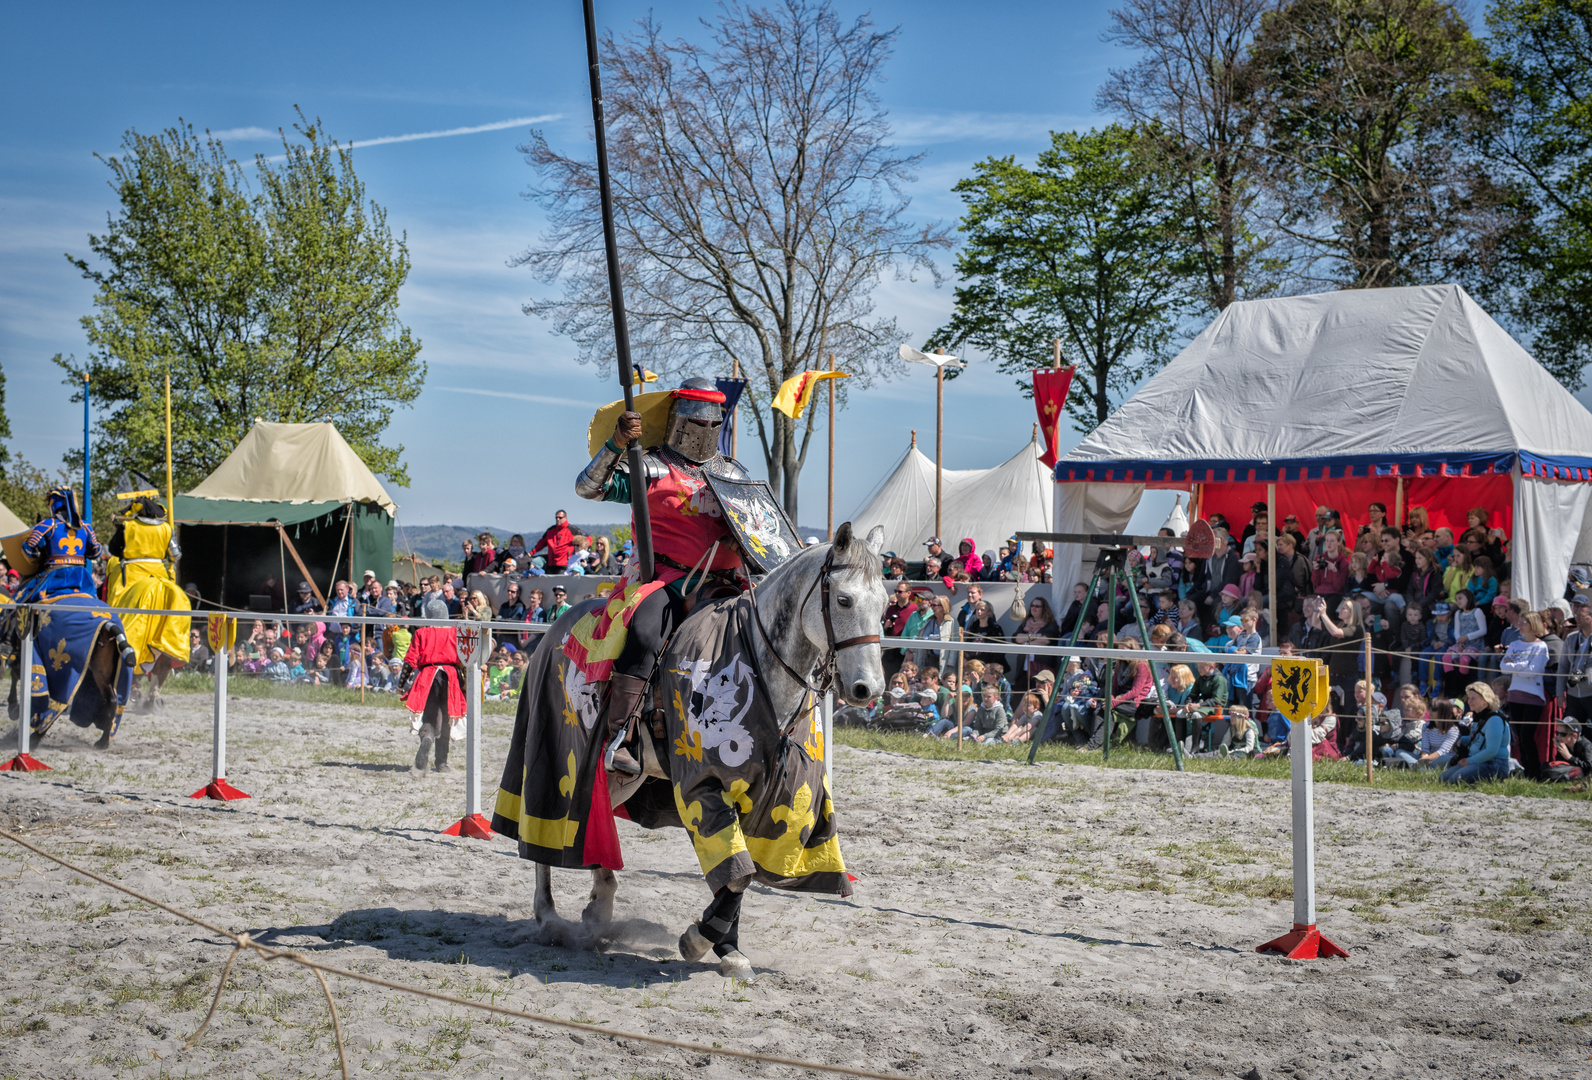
<point>721,922</point>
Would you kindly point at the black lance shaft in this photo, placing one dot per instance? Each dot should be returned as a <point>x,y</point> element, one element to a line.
<point>616,295</point>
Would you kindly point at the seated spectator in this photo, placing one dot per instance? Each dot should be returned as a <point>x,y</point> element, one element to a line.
<point>276,668</point>
<point>989,721</point>
<point>603,561</point>
<point>559,605</point>
<point>1029,715</point>
<point>1438,738</point>
<point>1321,732</point>
<point>1569,755</point>
<point>1071,704</point>
<point>1207,698</point>
<point>994,674</point>
<point>1135,684</point>
<point>499,685</point>
<point>395,674</point>
<point>512,609</point>
<point>1487,753</point>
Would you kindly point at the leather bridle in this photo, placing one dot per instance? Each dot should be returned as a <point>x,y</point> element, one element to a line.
<point>826,666</point>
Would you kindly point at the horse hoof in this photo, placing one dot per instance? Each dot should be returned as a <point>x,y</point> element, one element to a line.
<point>693,946</point>
<point>734,964</point>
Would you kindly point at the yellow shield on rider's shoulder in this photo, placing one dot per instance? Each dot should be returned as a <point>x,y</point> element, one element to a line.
<point>654,410</point>
<point>15,558</point>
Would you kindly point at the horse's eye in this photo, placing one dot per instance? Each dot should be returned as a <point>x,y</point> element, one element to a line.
<point>844,601</point>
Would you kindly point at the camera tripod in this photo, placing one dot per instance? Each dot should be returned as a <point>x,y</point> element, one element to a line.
<point>1111,564</point>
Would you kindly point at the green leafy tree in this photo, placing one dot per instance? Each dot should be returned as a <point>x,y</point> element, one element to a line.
<point>1091,245</point>
<point>279,303</point>
<point>1367,108</point>
<point>1542,141</point>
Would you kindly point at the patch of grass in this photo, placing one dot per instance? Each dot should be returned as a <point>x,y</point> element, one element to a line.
<point>1521,908</point>
<point>1325,772</point>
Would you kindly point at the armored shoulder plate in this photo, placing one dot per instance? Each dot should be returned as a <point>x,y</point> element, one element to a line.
<point>729,468</point>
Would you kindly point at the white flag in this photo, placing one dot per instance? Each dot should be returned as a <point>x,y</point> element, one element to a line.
<point>908,353</point>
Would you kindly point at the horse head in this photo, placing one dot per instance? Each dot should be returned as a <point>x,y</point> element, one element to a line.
<point>857,599</point>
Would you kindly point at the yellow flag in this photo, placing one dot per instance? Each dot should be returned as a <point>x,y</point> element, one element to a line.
<point>641,375</point>
<point>796,394</point>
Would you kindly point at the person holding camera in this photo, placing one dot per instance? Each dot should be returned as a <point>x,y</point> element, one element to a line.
<point>1329,571</point>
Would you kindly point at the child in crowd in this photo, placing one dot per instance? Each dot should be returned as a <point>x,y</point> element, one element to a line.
<point>1026,720</point>
<point>1412,639</point>
<point>1070,705</point>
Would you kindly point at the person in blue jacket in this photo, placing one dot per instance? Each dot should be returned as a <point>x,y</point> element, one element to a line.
<point>1487,757</point>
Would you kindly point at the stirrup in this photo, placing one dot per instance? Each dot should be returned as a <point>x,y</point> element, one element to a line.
<point>611,760</point>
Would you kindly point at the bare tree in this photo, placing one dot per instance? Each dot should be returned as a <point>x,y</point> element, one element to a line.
<point>1190,87</point>
<point>757,202</point>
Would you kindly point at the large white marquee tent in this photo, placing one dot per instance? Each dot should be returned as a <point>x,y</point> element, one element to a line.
<point>1412,396</point>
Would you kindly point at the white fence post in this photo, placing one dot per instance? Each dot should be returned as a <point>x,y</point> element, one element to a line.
<point>473,824</point>
<point>25,761</point>
<point>828,715</point>
<point>219,632</point>
<point>1304,941</point>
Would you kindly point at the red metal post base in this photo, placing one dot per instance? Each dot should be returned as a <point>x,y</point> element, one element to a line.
<point>219,789</point>
<point>1303,942</point>
<point>475,826</point>
<point>24,763</point>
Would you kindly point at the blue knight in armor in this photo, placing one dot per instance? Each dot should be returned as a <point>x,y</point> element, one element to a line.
<point>65,545</point>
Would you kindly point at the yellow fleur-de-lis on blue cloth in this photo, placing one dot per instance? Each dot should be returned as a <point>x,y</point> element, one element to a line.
<point>59,656</point>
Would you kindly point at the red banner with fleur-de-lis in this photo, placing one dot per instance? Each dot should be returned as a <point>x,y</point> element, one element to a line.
<point>1050,401</point>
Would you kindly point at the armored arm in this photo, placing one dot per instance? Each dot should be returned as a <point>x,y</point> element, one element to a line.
<point>597,477</point>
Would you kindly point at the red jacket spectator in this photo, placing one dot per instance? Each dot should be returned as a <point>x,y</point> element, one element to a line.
<point>559,542</point>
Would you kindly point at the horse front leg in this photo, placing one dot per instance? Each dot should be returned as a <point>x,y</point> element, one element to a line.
<point>719,929</point>
<point>542,905</point>
<point>600,908</point>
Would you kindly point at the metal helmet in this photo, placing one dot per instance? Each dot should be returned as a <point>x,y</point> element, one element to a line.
<point>695,417</point>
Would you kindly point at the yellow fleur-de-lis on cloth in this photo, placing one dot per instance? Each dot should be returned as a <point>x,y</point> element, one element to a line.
<point>59,656</point>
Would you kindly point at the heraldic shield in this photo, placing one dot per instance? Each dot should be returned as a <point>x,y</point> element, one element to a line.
<point>765,534</point>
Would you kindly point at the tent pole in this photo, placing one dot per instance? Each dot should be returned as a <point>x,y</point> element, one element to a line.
<point>1271,560</point>
<point>281,531</point>
<point>331,586</point>
<point>1398,505</point>
<point>361,626</point>
<point>831,536</point>
<point>281,553</point>
<point>939,440</point>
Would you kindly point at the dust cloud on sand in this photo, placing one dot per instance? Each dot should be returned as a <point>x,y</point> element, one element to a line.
<point>1051,922</point>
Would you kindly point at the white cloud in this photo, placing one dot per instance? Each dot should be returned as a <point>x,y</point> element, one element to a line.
<point>917,129</point>
<point>539,399</point>
<point>252,133</point>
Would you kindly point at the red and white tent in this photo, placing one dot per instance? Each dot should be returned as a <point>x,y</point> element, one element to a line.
<point>1413,397</point>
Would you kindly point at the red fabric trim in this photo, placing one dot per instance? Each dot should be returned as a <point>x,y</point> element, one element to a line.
<point>421,690</point>
<point>1446,498</point>
<point>689,394</point>
<point>602,835</point>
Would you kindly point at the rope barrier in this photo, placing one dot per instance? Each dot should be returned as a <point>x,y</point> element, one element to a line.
<point>243,942</point>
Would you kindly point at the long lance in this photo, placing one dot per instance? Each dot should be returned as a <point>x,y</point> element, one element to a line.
<point>616,293</point>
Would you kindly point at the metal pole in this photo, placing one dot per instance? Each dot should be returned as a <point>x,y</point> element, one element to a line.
<point>171,506</point>
<point>25,691</point>
<point>218,741</point>
<point>472,729</point>
<point>616,296</point>
<point>939,442</point>
<point>1369,685</point>
<point>1304,824</point>
<point>961,712</point>
<point>1111,665</point>
<point>828,719</point>
<point>88,494</point>
<point>1077,630</point>
<point>735,425</point>
<point>832,448</point>
<point>1271,561</point>
<point>1160,697</point>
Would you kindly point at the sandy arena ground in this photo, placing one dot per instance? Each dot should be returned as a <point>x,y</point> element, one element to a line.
<point>1051,922</point>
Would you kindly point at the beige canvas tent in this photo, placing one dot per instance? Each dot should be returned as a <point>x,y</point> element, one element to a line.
<point>304,478</point>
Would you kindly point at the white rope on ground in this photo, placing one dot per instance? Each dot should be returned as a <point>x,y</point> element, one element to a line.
<point>242,942</point>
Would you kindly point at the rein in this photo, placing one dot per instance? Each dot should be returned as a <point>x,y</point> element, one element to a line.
<point>826,666</point>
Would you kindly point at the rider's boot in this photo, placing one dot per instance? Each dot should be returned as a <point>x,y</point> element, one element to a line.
<point>625,693</point>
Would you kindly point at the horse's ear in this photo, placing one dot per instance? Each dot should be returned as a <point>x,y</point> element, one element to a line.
<point>876,539</point>
<point>843,537</point>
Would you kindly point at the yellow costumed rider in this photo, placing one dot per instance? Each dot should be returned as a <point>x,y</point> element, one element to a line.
<point>138,575</point>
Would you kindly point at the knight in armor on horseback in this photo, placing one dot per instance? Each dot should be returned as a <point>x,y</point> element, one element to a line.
<point>141,545</point>
<point>66,546</point>
<point>692,543</point>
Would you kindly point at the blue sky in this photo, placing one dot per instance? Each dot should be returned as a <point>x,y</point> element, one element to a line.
<point>499,431</point>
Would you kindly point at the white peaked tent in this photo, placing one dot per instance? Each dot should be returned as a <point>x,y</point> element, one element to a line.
<point>986,504</point>
<point>1413,397</point>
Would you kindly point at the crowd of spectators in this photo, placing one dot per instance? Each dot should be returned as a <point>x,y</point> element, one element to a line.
<point>1463,677</point>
